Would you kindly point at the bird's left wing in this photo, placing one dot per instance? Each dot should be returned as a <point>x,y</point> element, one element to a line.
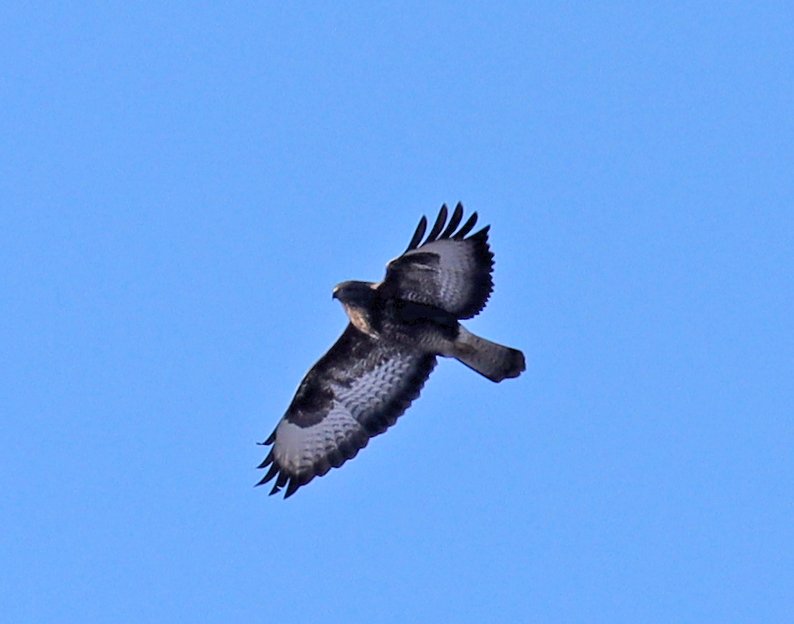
<point>354,392</point>
<point>448,270</point>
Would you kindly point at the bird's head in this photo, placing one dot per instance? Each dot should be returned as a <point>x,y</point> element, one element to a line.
<point>353,293</point>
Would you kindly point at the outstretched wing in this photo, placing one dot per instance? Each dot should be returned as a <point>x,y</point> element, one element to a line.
<point>355,391</point>
<point>447,270</point>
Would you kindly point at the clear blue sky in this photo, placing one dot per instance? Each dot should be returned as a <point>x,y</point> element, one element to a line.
<point>182,186</point>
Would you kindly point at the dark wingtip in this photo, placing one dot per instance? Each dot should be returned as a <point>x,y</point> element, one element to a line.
<point>438,225</point>
<point>281,481</point>
<point>272,472</point>
<point>267,461</point>
<point>467,227</point>
<point>457,215</point>
<point>482,234</point>
<point>436,232</point>
<point>292,487</point>
<point>418,234</point>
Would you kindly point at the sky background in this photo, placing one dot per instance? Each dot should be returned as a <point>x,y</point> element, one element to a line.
<point>180,188</point>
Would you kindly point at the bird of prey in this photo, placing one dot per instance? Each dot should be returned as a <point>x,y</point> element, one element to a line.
<point>397,329</point>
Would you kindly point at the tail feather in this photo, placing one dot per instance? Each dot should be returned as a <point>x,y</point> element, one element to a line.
<point>491,360</point>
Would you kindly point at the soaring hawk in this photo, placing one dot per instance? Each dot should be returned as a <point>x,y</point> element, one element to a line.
<point>398,327</point>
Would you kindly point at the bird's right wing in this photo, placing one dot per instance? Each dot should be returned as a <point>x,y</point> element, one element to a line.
<point>354,392</point>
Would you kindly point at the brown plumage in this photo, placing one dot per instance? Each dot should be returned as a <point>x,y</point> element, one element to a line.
<point>378,366</point>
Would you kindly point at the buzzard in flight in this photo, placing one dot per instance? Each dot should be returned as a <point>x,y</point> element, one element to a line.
<point>379,364</point>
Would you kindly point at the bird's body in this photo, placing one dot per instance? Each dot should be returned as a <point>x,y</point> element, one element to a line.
<point>373,312</point>
<point>397,329</point>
